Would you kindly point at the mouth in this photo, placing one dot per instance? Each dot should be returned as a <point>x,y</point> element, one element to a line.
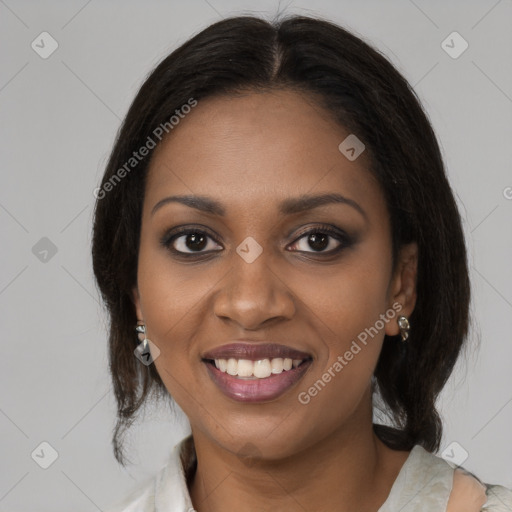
<point>256,372</point>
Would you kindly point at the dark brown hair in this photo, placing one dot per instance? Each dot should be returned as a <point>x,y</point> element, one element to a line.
<point>365,94</point>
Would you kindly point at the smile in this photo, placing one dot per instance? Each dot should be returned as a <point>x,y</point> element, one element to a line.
<point>247,369</point>
<point>255,372</point>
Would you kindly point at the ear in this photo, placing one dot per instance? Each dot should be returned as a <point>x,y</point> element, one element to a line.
<point>136,302</point>
<point>403,285</point>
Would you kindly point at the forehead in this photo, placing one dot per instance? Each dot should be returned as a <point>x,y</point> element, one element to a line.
<point>255,147</point>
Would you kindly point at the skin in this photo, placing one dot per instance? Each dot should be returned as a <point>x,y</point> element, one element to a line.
<point>249,153</point>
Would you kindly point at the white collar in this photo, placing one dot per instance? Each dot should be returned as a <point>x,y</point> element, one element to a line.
<point>424,483</point>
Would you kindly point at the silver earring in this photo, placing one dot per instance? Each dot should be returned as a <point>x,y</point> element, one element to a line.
<point>142,351</point>
<point>141,334</point>
<point>405,327</point>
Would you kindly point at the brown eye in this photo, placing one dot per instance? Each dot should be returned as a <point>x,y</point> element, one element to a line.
<point>190,241</point>
<point>321,240</point>
<point>193,241</point>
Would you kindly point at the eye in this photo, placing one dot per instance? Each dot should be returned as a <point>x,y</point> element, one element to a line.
<point>322,239</point>
<point>189,241</point>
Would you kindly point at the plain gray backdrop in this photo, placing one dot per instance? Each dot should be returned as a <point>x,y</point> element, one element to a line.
<point>60,115</point>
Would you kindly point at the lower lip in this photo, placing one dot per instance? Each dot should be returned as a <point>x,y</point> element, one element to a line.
<point>257,390</point>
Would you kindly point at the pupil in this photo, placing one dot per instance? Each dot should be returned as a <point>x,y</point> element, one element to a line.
<point>196,241</point>
<point>317,241</point>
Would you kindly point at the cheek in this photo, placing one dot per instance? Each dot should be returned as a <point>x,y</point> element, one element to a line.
<point>360,300</point>
<point>176,304</point>
<point>350,300</point>
<point>166,298</point>
<point>350,310</point>
<point>170,291</point>
<point>338,386</point>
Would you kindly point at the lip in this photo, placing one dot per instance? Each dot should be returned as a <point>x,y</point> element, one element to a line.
<point>257,390</point>
<point>254,351</point>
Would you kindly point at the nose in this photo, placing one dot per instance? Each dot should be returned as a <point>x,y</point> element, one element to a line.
<point>253,294</point>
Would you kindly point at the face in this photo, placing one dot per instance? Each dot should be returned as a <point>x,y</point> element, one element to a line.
<point>260,278</point>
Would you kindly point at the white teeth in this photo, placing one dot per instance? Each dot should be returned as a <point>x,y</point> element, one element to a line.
<point>261,369</point>
<point>276,365</point>
<point>232,367</point>
<point>245,368</point>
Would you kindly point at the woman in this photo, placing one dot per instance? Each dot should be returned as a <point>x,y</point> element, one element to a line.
<point>276,228</point>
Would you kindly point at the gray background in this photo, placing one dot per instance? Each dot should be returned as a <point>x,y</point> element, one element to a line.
<point>59,119</point>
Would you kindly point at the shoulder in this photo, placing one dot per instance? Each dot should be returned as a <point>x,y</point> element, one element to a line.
<point>166,490</point>
<point>469,494</point>
<point>499,499</point>
<point>437,484</point>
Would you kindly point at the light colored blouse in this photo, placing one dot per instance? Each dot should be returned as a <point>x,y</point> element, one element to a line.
<point>423,484</point>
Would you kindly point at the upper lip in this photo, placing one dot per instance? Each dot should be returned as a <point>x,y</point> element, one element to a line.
<point>255,351</point>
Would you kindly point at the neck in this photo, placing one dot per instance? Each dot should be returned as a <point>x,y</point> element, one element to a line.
<point>350,469</point>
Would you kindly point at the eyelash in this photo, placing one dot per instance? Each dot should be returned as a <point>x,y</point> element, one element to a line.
<point>168,239</point>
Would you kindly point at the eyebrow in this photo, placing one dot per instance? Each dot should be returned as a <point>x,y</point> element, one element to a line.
<point>287,207</point>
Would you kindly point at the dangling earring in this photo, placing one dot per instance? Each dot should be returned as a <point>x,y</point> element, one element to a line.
<point>146,351</point>
<point>405,327</point>
<point>141,334</point>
